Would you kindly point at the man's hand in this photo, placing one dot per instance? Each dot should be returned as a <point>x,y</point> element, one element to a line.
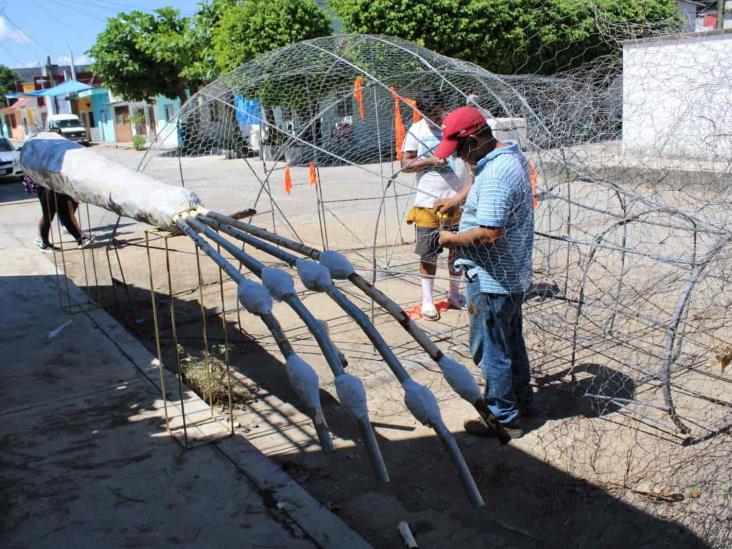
<point>446,206</point>
<point>478,236</point>
<point>445,238</point>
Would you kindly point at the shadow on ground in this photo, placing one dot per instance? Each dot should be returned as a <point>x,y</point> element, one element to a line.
<point>528,503</point>
<point>84,458</point>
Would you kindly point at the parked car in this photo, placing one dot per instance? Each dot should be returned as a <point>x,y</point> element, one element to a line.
<point>9,166</point>
<point>69,126</point>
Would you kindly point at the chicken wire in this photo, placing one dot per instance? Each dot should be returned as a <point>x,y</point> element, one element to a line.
<point>629,310</point>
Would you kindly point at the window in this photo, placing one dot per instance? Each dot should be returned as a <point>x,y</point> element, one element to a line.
<point>169,112</point>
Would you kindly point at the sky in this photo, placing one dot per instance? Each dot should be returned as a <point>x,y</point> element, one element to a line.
<point>31,30</point>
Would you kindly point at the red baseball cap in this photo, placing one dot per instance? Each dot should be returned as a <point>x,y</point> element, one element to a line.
<point>459,124</point>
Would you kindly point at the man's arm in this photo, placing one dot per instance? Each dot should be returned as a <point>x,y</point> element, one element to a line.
<point>449,206</point>
<point>479,236</point>
<point>411,164</point>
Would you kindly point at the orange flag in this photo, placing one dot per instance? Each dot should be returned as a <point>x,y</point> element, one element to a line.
<point>534,184</point>
<point>313,175</point>
<point>399,132</point>
<point>416,117</point>
<point>358,94</point>
<point>288,180</point>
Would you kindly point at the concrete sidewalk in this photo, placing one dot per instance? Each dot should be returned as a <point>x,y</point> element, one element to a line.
<point>85,457</point>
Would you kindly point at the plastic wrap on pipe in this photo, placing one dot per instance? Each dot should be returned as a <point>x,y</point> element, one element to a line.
<point>315,277</point>
<point>422,403</point>
<point>460,379</point>
<point>254,297</point>
<point>68,168</point>
<point>352,394</point>
<point>304,382</point>
<point>340,268</point>
<point>278,282</point>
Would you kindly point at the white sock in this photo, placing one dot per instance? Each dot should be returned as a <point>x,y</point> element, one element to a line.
<point>428,284</point>
<point>454,287</point>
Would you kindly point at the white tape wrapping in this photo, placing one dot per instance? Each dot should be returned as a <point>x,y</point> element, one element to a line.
<point>254,297</point>
<point>278,282</point>
<point>460,379</point>
<point>352,394</point>
<point>315,277</point>
<point>340,268</point>
<point>68,168</point>
<point>304,381</point>
<point>422,403</point>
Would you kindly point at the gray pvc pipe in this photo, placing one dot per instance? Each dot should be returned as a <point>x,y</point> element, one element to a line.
<point>329,350</point>
<point>323,434</point>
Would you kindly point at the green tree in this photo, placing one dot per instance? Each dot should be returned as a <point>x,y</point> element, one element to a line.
<point>511,36</point>
<point>8,78</point>
<point>140,55</point>
<point>250,28</point>
<point>200,33</point>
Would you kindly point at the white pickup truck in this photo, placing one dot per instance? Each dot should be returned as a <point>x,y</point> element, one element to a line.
<point>69,126</point>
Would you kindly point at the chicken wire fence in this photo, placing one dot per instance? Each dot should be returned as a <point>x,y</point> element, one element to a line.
<point>628,317</point>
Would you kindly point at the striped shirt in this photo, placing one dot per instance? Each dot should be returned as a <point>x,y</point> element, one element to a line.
<point>500,197</point>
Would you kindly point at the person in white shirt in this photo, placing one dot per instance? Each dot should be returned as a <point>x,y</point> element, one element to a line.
<point>436,179</point>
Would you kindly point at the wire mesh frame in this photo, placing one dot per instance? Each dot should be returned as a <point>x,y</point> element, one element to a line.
<point>177,421</point>
<point>560,113</point>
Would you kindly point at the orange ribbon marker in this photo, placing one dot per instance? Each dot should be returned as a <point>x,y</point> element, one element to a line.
<point>416,117</point>
<point>358,95</point>
<point>534,184</point>
<point>399,132</point>
<point>313,175</point>
<point>288,180</point>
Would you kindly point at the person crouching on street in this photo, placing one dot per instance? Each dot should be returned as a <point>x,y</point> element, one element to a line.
<point>494,248</point>
<point>437,178</point>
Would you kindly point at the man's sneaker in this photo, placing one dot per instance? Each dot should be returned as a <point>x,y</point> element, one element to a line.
<point>429,311</point>
<point>84,243</point>
<point>48,248</point>
<point>478,428</point>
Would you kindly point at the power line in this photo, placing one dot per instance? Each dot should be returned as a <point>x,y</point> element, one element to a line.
<point>11,54</point>
<point>82,12</point>
<point>58,19</point>
<point>7,18</point>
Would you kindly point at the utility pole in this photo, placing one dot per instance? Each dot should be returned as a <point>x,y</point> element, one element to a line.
<point>49,68</point>
<point>720,14</point>
<point>73,69</point>
<point>50,100</point>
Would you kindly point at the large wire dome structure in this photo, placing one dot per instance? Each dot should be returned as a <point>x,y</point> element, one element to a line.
<point>632,292</point>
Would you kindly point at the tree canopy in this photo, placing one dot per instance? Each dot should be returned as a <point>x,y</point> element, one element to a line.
<point>141,55</point>
<point>510,36</point>
<point>247,29</point>
<point>8,78</point>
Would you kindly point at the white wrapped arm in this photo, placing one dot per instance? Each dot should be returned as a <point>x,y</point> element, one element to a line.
<point>68,168</point>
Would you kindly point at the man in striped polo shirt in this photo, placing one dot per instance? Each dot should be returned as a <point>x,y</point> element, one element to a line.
<point>494,247</point>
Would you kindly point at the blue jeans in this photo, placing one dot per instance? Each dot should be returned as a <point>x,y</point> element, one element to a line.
<point>497,345</point>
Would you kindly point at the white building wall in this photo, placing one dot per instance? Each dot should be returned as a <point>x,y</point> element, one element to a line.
<point>677,97</point>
